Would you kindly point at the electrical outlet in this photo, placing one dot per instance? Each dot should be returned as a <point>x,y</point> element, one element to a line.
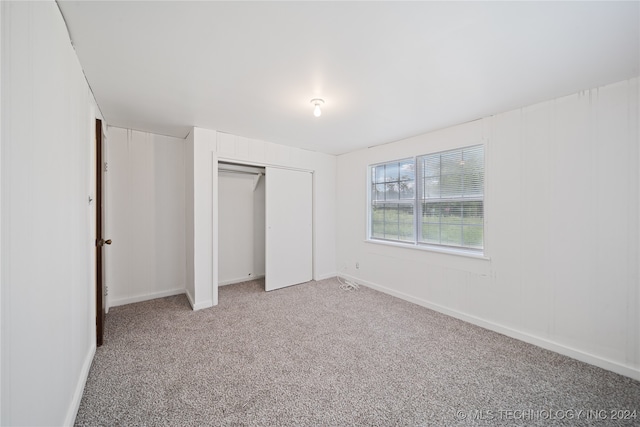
<point>357,265</point>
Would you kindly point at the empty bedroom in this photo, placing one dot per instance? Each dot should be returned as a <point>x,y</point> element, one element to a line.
<point>319,213</point>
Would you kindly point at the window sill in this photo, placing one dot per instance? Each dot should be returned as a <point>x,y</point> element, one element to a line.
<point>442,250</point>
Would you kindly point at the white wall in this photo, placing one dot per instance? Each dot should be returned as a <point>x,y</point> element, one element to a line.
<point>47,227</point>
<point>210,147</point>
<point>562,232</point>
<point>189,217</point>
<point>241,225</point>
<point>201,179</point>
<point>1,197</point>
<point>1,214</point>
<point>145,216</point>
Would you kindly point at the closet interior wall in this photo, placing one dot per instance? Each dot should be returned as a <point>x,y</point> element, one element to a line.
<point>241,228</point>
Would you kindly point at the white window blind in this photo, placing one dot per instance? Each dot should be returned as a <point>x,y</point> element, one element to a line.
<point>452,202</point>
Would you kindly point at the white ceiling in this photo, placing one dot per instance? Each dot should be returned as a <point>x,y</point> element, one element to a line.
<point>387,70</point>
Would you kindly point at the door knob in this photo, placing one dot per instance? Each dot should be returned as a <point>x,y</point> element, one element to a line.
<point>103,242</point>
<point>107,242</point>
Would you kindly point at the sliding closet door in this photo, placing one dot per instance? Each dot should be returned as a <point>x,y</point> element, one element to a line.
<point>288,228</point>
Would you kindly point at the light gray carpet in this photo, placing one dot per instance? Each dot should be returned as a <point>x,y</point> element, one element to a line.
<point>314,355</point>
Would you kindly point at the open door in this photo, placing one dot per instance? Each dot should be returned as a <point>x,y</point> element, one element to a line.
<point>100,242</point>
<point>289,235</point>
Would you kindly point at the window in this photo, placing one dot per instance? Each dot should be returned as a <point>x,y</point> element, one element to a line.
<point>393,200</point>
<point>432,200</point>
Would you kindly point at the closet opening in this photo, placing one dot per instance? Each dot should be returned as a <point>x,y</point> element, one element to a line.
<point>264,225</point>
<point>241,223</point>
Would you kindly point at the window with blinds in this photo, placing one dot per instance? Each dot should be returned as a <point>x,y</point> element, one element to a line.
<point>435,199</point>
<point>452,198</point>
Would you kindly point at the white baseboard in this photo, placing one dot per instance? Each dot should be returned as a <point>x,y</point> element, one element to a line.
<point>190,298</point>
<point>199,306</point>
<point>324,276</point>
<point>146,297</point>
<point>610,365</point>
<point>70,419</point>
<point>240,280</point>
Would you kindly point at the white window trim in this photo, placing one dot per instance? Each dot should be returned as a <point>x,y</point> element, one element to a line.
<point>450,250</point>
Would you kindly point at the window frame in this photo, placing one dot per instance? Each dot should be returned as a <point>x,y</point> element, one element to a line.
<point>417,204</point>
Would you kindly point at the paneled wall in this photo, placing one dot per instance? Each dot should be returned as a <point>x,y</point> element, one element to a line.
<point>48,222</point>
<point>145,216</point>
<point>562,232</point>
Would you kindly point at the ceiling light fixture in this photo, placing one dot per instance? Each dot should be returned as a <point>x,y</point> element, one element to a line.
<point>317,102</point>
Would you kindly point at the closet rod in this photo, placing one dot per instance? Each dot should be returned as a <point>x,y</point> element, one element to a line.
<point>245,172</point>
